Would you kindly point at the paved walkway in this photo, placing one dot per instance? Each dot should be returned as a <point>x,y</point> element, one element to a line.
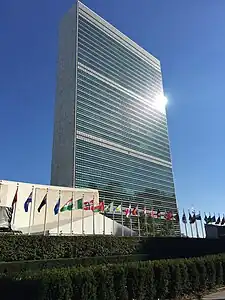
<point>216,296</point>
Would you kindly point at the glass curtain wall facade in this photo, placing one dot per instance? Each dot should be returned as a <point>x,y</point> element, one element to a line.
<point>119,141</point>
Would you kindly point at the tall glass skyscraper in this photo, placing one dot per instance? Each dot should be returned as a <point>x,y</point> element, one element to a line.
<point>110,129</point>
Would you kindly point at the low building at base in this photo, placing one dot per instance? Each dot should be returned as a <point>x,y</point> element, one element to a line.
<point>33,208</point>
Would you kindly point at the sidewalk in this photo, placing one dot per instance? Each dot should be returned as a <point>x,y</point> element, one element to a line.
<point>220,295</point>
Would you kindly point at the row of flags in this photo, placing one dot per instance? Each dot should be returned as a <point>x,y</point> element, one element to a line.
<point>101,207</point>
<point>68,206</point>
<point>193,217</point>
<point>166,215</point>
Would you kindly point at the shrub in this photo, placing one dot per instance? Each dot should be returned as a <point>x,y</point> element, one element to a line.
<point>24,247</point>
<point>164,279</point>
<point>22,266</point>
<point>210,271</point>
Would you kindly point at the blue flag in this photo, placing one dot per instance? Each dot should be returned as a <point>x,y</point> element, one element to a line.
<point>27,202</point>
<point>43,203</point>
<point>56,208</point>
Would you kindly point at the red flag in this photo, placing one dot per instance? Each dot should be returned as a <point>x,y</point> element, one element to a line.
<point>169,215</point>
<point>88,205</point>
<point>134,211</point>
<point>98,208</point>
<point>15,197</point>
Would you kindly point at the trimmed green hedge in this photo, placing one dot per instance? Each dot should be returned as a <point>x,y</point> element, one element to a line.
<point>166,279</point>
<point>34,265</point>
<point>21,247</point>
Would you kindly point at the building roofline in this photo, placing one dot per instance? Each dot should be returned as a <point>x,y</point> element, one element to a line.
<point>120,36</point>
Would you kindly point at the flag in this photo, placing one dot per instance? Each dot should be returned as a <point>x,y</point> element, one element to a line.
<point>88,205</point>
<point>145,211</point>
<point>56,208</point>
<point>184,219</point>
<point>15,198</point>
<point>198,217</point>
<point>176,217</point>
<point>27,202</point>
<point>43,203</point>
<point>134,211</point>
<point>218,221</point>
<point>98,208</point>
<point>151,214</point>
<point>208,219</point>
<point>128,211</point>
<point>118,209</point>
<point>109,207</point>
<point>168,216</point>
<point>213,220</point>
<point>192,219</point>
<point>67,206</point>
<point>80,203</point>
<point>158,214</point>
<point>223,221</point>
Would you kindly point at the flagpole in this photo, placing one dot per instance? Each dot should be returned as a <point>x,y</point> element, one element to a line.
<point>186,232</point>
<point>153,222</point>
<point>131,227</point>
<point>196,226</point>
<point>82,224</point>
<point>15,204</point>
<point>122,218</point>
<point>113,219</point>
<point>185,224</point>
<point>46,206</point>
<point>58,212</point>
<point>190,225</point>
<point>35,199</point>
<point>71,215</point>
<point>139,229</point>
<point>93,215</point>
<point>31,206</point>
<point>104,217</point>
<point>201,225</point>
<point>146,226</point>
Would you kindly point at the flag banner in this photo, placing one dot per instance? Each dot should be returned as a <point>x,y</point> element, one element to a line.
<point>218,221</point>
<point>213,220</point>
<point>151,213</point>
<point>109,207</point>
<point>192,219</point>
<point>43,203</point>
<point>79,203</point>
<point>158,214</point>
<point>145,211</point>
<point>198,217</point>
<point>57,206</point>
<point>118,209</point>
<point>28,201</point>
<point>208,219</point>
<point>15,198</point>
<point>88,205</point>
<point>67,206</point>
<point>176,217</point>
<point>168,216</point>
<point>128,211</point>
<point>98,208</point>
<point>223,221</point>
<point>184,219</point>
<point>134,211</point>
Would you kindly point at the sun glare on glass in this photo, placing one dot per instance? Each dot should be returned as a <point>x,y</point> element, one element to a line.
<point>160,103</point>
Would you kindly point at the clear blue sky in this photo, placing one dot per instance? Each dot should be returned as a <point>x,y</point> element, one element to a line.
<point>187,36</point>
